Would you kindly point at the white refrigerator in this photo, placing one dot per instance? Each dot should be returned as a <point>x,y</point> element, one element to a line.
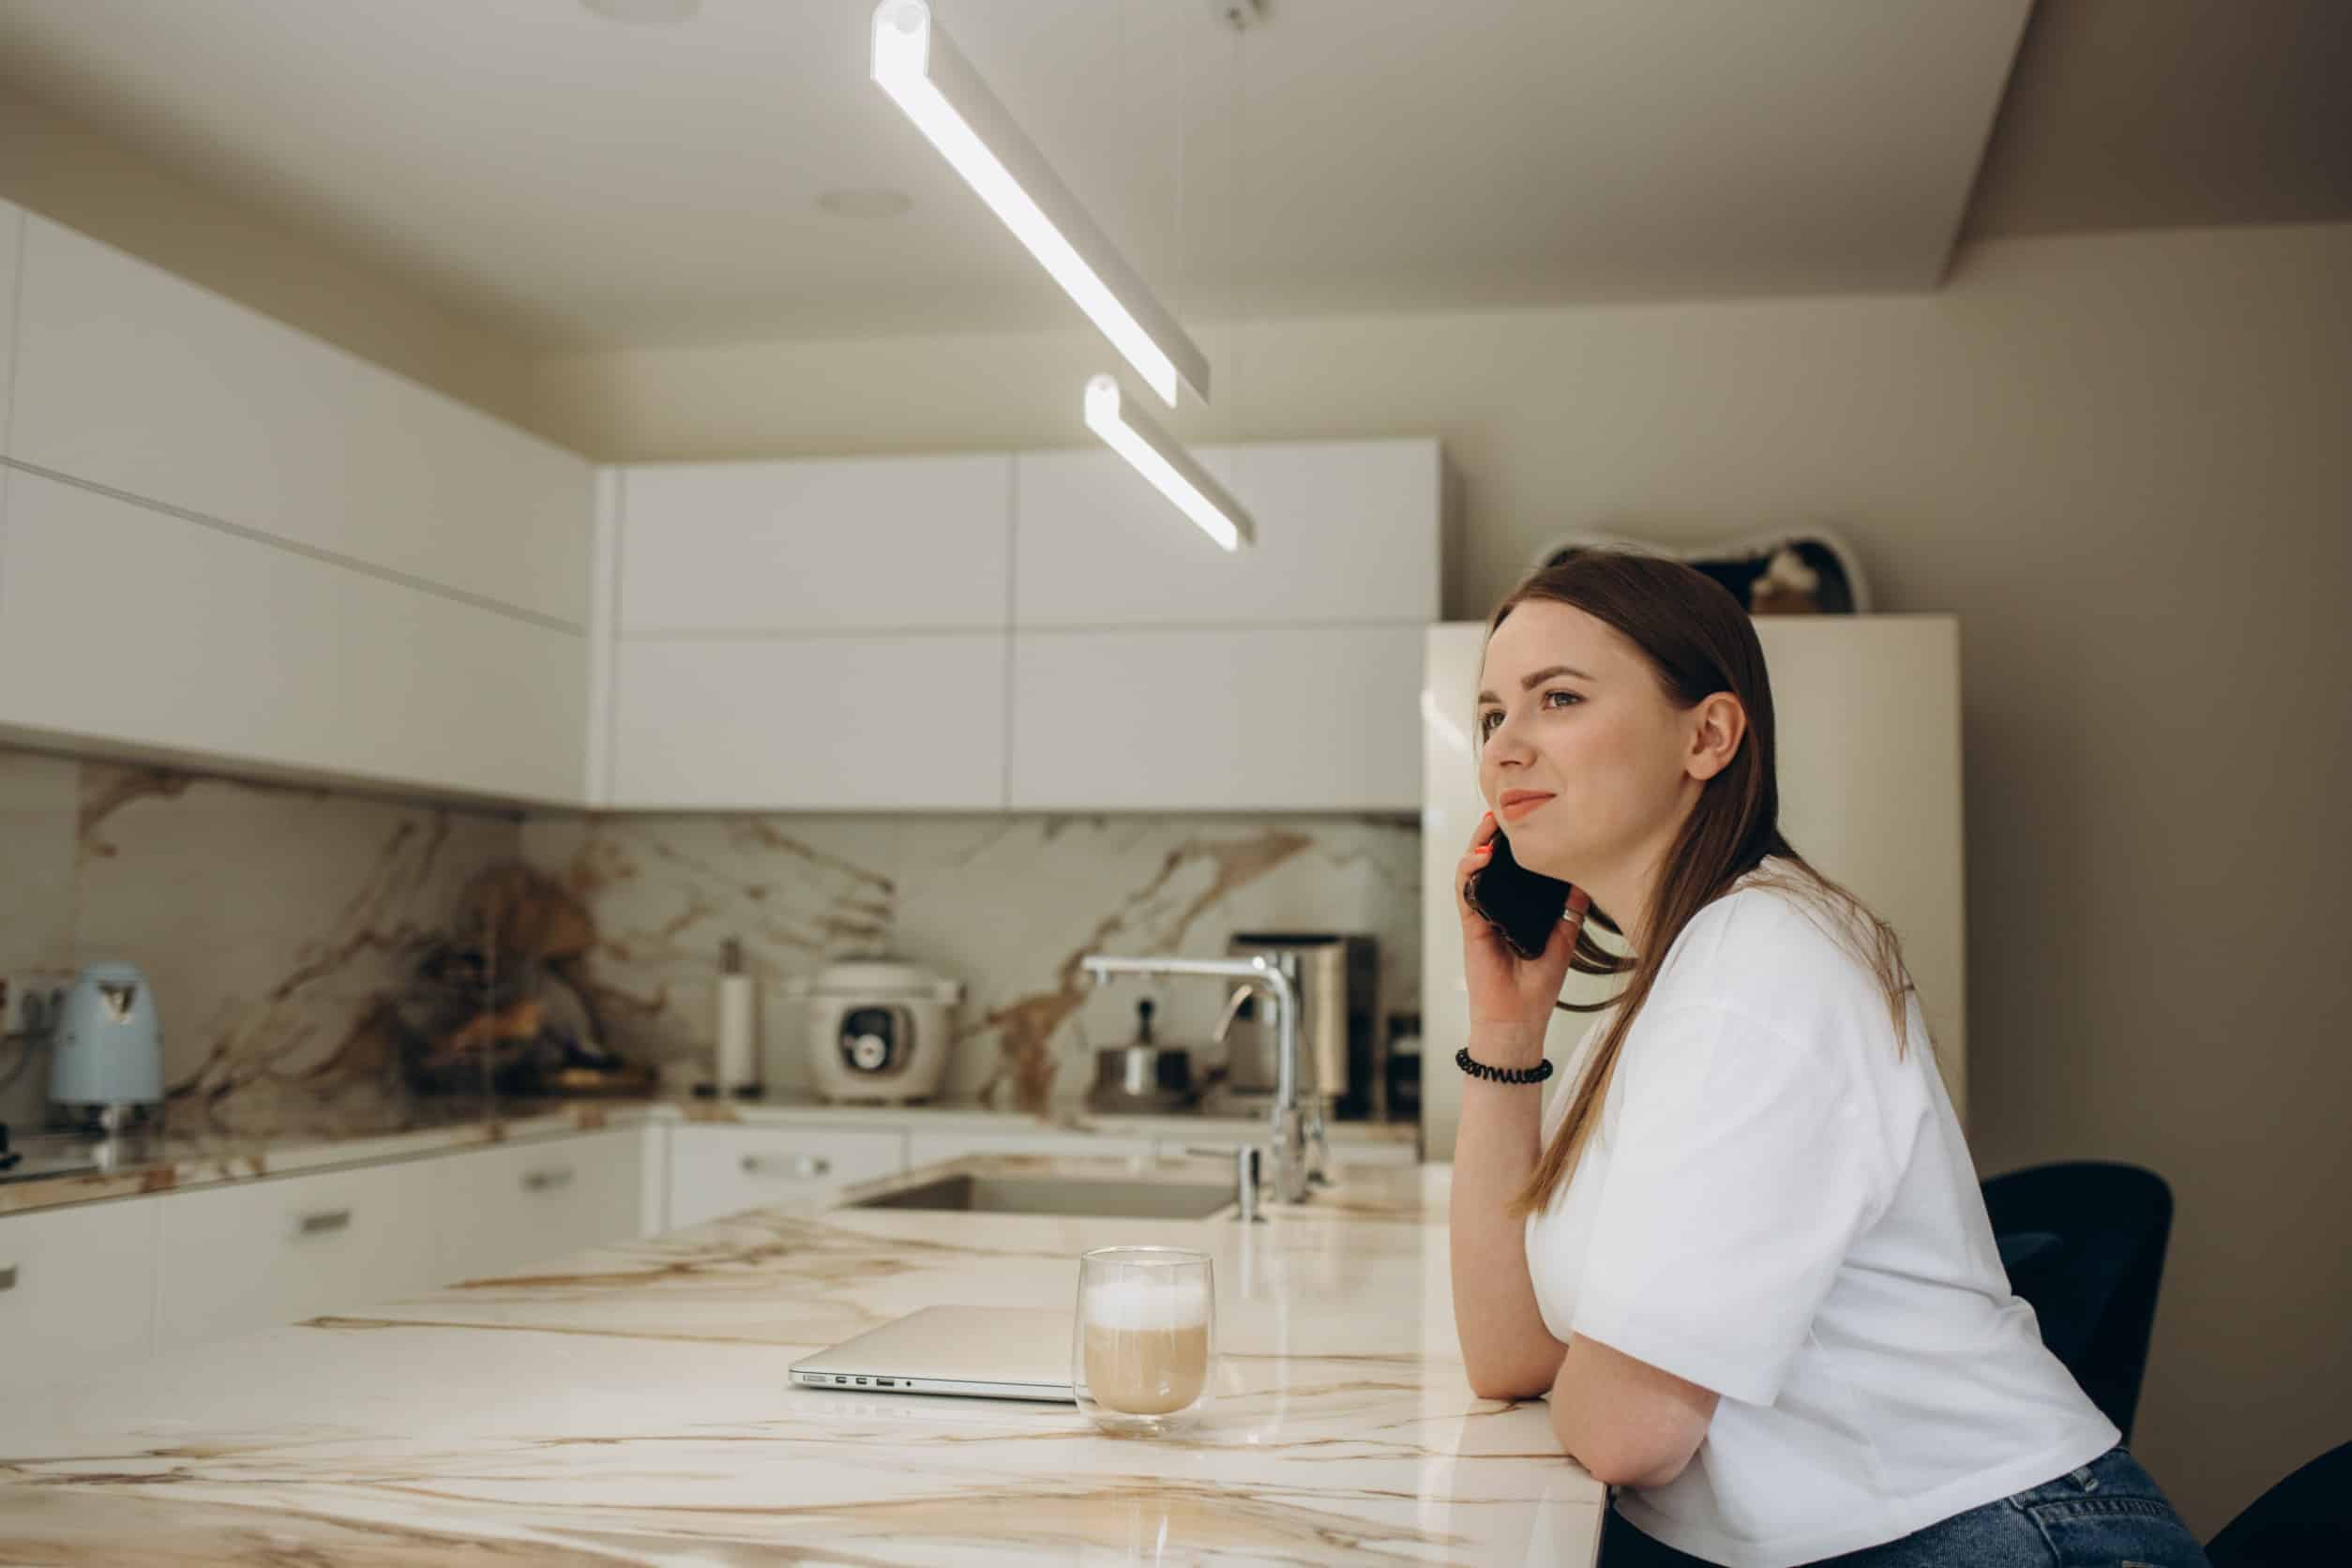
<point>1867,709</point>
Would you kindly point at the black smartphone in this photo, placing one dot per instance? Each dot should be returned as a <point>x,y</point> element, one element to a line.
<point>1524,906</point>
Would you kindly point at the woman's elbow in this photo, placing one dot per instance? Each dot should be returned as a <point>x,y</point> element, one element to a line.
<point>1497,1380</point>
<point>1620,1464</point>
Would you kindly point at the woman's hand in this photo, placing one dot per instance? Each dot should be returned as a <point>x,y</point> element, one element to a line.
<point>1511,998</point>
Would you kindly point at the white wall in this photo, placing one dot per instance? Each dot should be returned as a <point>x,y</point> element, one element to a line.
<point>2123,459</point>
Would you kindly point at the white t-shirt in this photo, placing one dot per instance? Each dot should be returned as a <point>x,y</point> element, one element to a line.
<point>1775,1208</point>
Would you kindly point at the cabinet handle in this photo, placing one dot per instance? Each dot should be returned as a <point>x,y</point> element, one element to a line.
<point>8,1277</point>
<point>325,1221</point>
<point>800,1166</point>
<point>543,1180</point>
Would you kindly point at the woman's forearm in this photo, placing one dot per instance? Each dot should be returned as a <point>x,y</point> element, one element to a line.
<point>1506,1351</point>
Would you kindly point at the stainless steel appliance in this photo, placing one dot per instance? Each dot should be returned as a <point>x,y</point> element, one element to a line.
<point>1339,1009</point>
<point>1142,1076</point>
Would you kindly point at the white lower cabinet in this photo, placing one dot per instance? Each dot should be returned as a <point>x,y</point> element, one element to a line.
<point>500,1209</point>
<point>724,1170</point>
<point>252,1254</point>
<point>77,1292</point>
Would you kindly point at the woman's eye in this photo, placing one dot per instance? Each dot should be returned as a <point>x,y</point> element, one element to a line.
<point>1488,720</point>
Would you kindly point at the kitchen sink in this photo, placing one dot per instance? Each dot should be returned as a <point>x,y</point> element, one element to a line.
<point>1042,1195</point>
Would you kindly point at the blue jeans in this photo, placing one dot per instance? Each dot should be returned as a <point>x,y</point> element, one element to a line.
<point>2110,1513</point>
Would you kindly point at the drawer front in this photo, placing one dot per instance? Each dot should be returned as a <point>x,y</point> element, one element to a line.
<point>251,1255</point>
<point>931,1146</point>
<point>502,1211</point>
<point>724,1170</point>
<point>77,1292</point>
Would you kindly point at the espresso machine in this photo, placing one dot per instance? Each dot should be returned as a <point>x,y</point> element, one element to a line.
<point>1339,1045</point>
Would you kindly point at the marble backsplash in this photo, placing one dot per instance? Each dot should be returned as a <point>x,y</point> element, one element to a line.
<point>1005,904</point>
<point>271,922</point>
<point>276,923</point>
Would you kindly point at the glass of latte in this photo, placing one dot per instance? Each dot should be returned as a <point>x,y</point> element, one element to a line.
<point>1145,1347</point>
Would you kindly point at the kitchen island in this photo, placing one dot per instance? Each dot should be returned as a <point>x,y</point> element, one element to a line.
<point>632,1405</point>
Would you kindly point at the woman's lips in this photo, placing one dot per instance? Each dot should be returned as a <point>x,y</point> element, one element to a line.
<point>1513,811</point>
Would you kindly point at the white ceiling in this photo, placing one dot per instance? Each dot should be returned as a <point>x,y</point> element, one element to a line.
<point>582,181</point>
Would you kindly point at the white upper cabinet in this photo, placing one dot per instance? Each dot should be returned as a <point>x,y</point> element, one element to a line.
<point>11,243</point>
<point>840,723</point>
<point>826,634</point>
<point>1239,719</point>
<point>1347,534</point>
<point>133,379</point>
<point>123,623</point>
<point>836,545</point>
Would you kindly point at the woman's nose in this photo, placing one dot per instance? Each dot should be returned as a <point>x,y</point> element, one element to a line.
<point>1504,740</point>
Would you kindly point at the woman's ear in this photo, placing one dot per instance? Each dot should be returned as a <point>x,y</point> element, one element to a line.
<point>1718,724</point>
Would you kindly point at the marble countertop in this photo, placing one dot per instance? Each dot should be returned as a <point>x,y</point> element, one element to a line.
<point>171,1164</point>
<point>632,1405</point>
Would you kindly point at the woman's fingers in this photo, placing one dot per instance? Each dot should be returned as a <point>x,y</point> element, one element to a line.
<point>1470,864</point>
<point>1482,844</point>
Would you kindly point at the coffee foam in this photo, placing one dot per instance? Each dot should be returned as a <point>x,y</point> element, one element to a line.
<point>1137,1304</point>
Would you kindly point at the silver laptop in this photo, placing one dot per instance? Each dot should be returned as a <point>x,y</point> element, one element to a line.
<point>994,1352</point>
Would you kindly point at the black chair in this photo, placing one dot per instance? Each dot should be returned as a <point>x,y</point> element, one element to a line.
<point>2305,1519</point>
<point>2084,1243</point>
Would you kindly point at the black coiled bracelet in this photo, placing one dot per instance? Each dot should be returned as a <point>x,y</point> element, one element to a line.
<point>1478,1069</point>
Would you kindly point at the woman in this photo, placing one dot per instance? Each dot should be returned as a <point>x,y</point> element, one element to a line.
<point>1743,1250</point>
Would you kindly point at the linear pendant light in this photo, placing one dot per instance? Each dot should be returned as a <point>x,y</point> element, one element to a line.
<point>916,65</point>
<point>1173,470</point>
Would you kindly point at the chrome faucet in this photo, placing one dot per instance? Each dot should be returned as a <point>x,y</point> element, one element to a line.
<point>1277,975</point>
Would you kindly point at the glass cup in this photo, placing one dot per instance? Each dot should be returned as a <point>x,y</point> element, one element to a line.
<point>1144,1353</point>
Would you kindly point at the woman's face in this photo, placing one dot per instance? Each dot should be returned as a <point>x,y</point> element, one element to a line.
<point>1569,710</point>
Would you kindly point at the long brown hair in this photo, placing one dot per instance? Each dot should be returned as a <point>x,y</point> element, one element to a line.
<point>1698,640</point>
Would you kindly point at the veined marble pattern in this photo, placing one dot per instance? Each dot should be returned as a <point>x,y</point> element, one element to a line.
<point>1006,904</point>
<point>39,801</point>
<point>274,921</point>
<point>270,921</point>
<point>178,1161</point>
<point>632,1405</point>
